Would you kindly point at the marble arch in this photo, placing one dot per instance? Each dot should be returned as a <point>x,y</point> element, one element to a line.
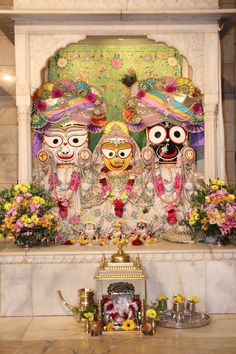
<point>198,43</point>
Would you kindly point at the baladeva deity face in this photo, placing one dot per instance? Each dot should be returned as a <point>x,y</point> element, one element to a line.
<point>167,140</point>
<point>66,142</point>
<point>117,154</point>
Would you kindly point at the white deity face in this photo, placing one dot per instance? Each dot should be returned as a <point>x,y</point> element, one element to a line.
<point>66,142</point>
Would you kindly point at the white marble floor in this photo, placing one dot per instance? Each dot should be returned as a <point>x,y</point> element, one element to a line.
<point>63,335</point>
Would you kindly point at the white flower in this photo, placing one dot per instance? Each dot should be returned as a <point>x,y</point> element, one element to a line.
<point>188,186</point>
<point>62,62</point>
<point>85,186</point>
<point>172,61</point>
<point>150,186</point>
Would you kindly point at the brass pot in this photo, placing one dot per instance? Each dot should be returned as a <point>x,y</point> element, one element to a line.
<point>85,297</point>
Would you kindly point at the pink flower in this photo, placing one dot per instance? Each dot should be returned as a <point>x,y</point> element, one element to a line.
<point>197,108</point>
<point>54,180</point>
<point>178,183</point>
<point>19,198</point>
<point>74,219</point>
<point>116,63</point>
<point>42,106</point>
<point>133,196</point>
<point>140,94</point>
<point>75,180</point>
<point>170,88</point>
<point>106,189</point>
<point>91,97</point>
<point>128,188</point>
<point>171,215</point>
<point>57,92</point>
<point>159,186</point>
<point>118,207</point>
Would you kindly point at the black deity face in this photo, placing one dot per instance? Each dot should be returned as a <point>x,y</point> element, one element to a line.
<point>167,140</point>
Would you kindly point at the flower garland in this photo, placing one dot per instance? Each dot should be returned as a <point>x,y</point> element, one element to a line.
<point>118,202</point>
<point>63,201</point>
<point>161,190</point>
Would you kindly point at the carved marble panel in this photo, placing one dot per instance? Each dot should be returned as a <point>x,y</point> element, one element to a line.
<point>42,48</point>
<point>116,4</point>
<point>191,46</point>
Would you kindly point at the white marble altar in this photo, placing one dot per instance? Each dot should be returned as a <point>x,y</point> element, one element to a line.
<point>30,278</point>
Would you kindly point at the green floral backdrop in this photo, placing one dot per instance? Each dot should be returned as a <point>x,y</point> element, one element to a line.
<point>104,66</point>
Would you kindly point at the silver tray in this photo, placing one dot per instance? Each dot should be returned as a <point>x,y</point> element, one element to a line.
<point>197,319</point>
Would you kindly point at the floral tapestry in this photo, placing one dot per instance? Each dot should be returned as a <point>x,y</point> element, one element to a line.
<point>104,67</point>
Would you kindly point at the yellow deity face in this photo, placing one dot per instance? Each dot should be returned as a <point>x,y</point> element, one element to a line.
<point>117,156</point>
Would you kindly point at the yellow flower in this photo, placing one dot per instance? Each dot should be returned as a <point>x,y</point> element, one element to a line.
<point>178,298</point>
<point>89,316</point>
<point>192,220</point>
<point>207,199</point>
<point>35,219</point>
<point>151,313</point>
<point>109,326</point>
<point>194,299</point>
<point>21,188</point>
<point>152,240</point>
<point>38,200</point>
<point>231,197</point>
<point>7,206</point>
<point>26,220</point>
<point>220,182</point>
<point>214,187</point>
<point>128,325</point>
<point>163,297</point>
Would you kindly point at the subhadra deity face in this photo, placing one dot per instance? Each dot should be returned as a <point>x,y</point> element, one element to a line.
<point>66,142</point>
<point>116,154</point>
<point>167,140</point>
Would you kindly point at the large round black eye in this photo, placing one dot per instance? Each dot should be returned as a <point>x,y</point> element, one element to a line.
<point>77,140</point>
<point>177,134</point>
<point>53,141</point>
<point>157,134</point>
<point>111,154</point>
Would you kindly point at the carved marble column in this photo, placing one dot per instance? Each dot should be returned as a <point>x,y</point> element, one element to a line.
<point>211,100</point>
<point>24,136</point>
<point>210,155</point>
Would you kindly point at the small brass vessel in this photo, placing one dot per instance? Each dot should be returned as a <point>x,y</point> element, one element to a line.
<point>120,256</point>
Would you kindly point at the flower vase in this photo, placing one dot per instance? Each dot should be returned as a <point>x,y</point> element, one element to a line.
<point>191,307</point>
<point>178,311</point>
<point>162,305</point>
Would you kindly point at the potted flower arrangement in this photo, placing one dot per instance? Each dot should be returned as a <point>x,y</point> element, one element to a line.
<point>213,211</point>
<point>26,214</point>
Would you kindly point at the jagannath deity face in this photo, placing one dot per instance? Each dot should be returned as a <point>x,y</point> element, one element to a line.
<point>66,142</point>
<point>167,140</point>
<point>117,154</point>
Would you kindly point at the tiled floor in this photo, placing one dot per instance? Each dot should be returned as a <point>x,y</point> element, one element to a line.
<point>63,335</point>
